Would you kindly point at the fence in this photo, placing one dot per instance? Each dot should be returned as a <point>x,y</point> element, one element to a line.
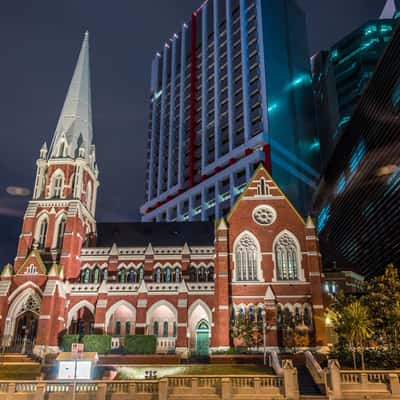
<point>181,387</point>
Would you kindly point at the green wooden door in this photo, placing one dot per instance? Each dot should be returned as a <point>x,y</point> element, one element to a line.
<point>202,339</point>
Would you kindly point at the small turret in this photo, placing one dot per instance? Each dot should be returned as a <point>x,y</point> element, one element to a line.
<point>43,151</point>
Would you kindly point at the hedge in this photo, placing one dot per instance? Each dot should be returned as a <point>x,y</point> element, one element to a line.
<point>67,341</point>
<point>97,343</point>
<point>140,344</point>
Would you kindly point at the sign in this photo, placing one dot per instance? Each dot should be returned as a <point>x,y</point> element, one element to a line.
<point>77,349</point>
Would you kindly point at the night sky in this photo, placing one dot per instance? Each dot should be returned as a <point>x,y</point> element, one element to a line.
<point>39,43</point>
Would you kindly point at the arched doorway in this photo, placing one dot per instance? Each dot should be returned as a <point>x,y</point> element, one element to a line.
<point>82,322</point>
<point>22,322</point>
<point>202,339</point>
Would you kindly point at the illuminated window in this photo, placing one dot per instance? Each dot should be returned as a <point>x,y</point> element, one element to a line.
<point>246,258</point>
<point>323,218</point>
<point>341,184</point>
<point>286,256</point>
<point>357,157</point>
<point>165,329</point>
<point>155,328</point>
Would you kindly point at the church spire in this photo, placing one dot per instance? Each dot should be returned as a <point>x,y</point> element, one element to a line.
<point>74,127</point>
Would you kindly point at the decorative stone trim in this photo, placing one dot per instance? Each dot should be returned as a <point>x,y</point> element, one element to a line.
<point>142,303</point>
<point>182,303</point>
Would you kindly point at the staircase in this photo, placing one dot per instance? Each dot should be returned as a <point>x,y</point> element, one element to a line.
<point>17,359</point>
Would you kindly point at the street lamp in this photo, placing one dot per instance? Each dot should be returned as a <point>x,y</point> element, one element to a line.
<point>263,313</point>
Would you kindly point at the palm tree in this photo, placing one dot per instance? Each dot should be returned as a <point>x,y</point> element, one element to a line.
<point>358,326</point>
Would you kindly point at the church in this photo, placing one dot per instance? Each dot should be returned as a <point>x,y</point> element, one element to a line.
<point>184,282</point>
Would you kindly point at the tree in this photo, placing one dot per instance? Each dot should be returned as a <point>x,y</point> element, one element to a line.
<point>359,326</point>
<point>382,298</point>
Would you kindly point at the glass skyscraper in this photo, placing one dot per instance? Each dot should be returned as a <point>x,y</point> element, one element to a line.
<point>357,202</point>
<point>340,76</point>
<point>231,89</point>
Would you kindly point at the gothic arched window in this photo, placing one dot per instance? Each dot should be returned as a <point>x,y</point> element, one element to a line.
<point>86,276</point>
<point>193,274</point>
<point>105,274</point>
<point>122,275</point>
<point>131,276</point>
<point>167,275</point>
<point>140,274</point>
<point>210,274</point>
<point>96,275</point>
<point>165,329</point>
<point>286,256</point>
<point>202,274</point>
<point>155,328</point>
<point>41,239</point>
<point>157,275</point>
<point>246,259</point>
<point>89,196</point>
<point>60,234</point>
<point>177,274</point>
<point>58,185</point>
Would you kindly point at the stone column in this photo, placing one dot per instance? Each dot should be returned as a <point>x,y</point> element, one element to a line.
<point>335,380</point>
<point>290,381</point>
<point>220,330</point>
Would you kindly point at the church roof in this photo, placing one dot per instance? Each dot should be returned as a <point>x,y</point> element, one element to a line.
<point>75,121</point>
<point>140,234</point>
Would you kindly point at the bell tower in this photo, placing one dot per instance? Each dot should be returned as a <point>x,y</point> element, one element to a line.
<point>60,218</point>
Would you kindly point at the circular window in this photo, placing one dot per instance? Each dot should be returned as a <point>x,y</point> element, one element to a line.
<point>264,215</point>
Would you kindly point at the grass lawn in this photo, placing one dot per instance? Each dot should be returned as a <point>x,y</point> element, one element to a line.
<point>137,371</point>
<point>19,372</point>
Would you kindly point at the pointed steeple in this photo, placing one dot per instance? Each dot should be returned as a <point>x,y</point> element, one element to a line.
<point>74,127</point>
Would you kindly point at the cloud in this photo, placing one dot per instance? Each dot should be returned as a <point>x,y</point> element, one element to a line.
<point>18,191</point>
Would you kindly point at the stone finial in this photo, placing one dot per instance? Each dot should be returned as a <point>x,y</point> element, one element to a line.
<point>149,250</point>
<point>269,294</point>
<point>186,249</point>
<point>310,223</point>
<point>114,250</point>
<point>183,287</point>
<point>7,271</point>
<point>222,226</point>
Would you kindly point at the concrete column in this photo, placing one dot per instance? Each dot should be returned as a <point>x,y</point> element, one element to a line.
<point>336,384</point>
<point>226,389</point>
<point>217,91</point>
<point>162,145</point>
<point>229,60</point>
<point>101,391</point>
<point>291,383</point>
<point>204,88</point>
<point>163,389</point>
<point>245,71</point>
<point>394,384</point>
<point>182,106</point>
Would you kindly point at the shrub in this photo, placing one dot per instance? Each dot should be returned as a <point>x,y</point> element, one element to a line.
<point>140,344</point>
<point>98,343</point>
<point>67,340</point>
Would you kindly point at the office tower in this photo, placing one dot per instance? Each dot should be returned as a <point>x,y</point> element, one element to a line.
<point>357,202</point>
<point>341,74</point>
<point>230,89</point>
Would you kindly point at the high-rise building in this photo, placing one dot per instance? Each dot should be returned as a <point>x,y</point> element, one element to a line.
<point>357,202</point>
<point>341,74</point>
<point>230,89</point>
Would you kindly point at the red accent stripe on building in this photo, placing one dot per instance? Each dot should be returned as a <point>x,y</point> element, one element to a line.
<point>267,161</point>
<point>192,127</point>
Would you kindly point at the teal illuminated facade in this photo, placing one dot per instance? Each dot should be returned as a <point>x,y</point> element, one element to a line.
<point>357,201</point>
<point>340,76</point>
